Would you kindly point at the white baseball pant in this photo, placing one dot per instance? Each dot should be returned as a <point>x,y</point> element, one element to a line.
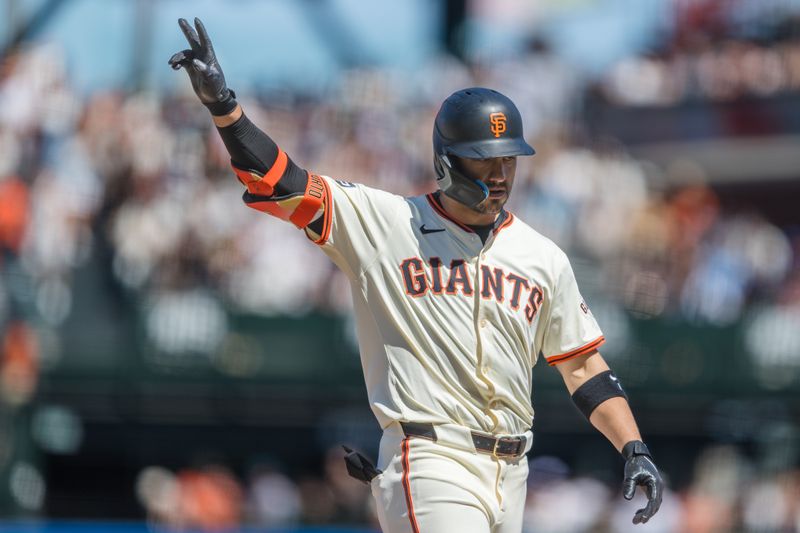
<point>447,486</point>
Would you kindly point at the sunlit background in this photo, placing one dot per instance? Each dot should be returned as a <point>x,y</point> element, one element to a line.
<point>170,359</point>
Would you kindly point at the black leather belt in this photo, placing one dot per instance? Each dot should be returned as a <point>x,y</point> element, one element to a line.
<point>499,447</point>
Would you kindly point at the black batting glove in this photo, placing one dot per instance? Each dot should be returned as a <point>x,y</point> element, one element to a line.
<point>204,71</point>
<point>640,470</point>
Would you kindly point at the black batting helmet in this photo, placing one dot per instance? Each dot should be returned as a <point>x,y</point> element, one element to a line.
<point>474,123</point>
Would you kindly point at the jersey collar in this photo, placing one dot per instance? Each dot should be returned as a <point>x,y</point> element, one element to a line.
<point>505,219</point>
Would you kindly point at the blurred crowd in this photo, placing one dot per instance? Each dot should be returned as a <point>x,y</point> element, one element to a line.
<point>727,492</point>
<point>212,497</point>
<point>710,65</point>
<point>137,189</point>
<point>141,182</point>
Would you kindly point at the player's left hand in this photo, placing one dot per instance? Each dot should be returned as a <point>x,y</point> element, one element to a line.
<point>640,470</point>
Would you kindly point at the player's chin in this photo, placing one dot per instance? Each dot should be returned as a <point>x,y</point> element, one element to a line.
<point>493,204</point>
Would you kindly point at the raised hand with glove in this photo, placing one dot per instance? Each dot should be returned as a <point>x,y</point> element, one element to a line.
<point>206,76</point>
<point>274,182</point>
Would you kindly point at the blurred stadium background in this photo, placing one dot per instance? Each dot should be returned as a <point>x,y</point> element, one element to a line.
<point>172,360</point>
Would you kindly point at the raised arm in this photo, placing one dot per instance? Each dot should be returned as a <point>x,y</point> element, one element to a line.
<point>275,184</point>
<point>600,397</point>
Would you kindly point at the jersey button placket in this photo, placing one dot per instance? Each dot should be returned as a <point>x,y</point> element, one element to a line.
<point>482,322</point>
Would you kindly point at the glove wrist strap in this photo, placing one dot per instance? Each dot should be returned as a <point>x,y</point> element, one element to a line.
<point>635,447</point>
<point>224,106</point>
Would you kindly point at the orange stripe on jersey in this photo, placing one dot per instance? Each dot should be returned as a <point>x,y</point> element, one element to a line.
<point>506,223</point>
<point>583,350</point>
<point>407,487</point>
<point>312,200</point>
<point>263,185</point>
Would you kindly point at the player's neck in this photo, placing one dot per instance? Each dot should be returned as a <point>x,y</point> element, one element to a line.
<point>464,214</point>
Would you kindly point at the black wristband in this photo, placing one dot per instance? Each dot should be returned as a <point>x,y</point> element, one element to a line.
<point>596,390</point>
<point>635,447</point>
<point>224,106</point>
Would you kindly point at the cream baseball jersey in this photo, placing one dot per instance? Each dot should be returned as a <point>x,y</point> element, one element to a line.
<point>449,328</point>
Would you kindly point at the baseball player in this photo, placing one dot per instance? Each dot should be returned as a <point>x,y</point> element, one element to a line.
<point>455,299</point>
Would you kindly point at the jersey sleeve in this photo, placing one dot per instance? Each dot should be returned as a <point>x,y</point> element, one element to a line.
<point>571,328</point>
<point>358,222</point>
<point>351,222</point>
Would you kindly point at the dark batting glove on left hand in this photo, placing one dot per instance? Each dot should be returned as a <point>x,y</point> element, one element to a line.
<point>640,470</point>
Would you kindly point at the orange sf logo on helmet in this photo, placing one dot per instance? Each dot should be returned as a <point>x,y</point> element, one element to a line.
<point>498,121</point>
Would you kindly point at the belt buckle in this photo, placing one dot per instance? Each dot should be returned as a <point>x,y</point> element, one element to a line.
<point>517,453</point>
<point>497,442</point>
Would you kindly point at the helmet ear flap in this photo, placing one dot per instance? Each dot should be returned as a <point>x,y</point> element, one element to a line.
<point>438,166</point>
<point>456,185</point>
<point>446,161</point>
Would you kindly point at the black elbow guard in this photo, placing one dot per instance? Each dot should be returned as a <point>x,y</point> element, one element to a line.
<point>596,390</point>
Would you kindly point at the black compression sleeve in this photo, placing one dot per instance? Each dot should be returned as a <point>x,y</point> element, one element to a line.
<point>252,149</point>
<point>249,147</point>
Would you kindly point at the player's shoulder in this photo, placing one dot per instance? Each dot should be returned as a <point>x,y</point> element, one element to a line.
<point>543,244</point>
<point>365,192</point>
